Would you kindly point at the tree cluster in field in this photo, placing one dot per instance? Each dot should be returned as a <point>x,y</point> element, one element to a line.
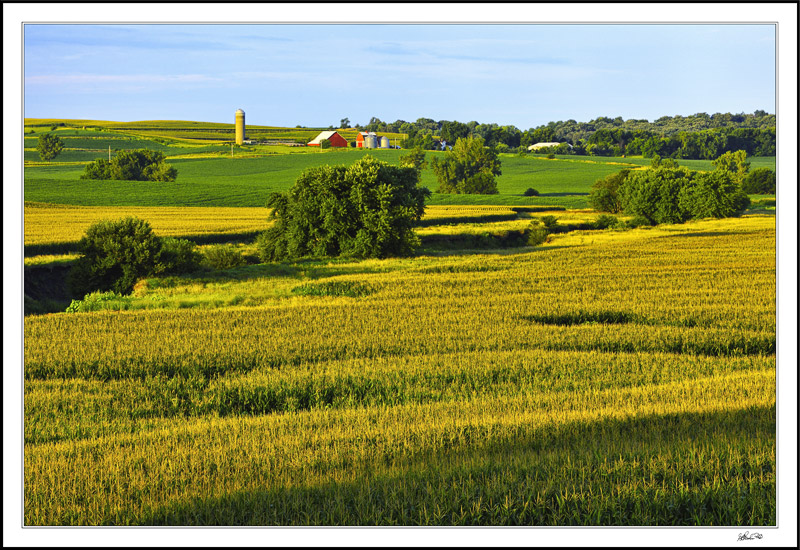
<point>668,193</point>
<point>49,146</point>
<point>469,167</point>
<point>760,181</point>
<point>699,136</point>
<point>365,210</point>
<point>134,165</point>
<point>115,254</point>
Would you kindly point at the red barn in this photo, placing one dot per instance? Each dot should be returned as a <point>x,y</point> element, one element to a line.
<point>334,137</point>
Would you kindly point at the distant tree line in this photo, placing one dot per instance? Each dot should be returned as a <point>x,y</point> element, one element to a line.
<point>699,136</point>
<point>705,144</point>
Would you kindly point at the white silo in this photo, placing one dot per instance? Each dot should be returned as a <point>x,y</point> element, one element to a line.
<point>384,142</point>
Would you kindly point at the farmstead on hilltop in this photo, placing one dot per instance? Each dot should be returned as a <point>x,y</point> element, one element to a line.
<point>366,140</point>
<point>332,136</point>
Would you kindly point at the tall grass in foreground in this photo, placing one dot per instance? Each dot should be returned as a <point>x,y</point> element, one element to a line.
<point>690,453</point>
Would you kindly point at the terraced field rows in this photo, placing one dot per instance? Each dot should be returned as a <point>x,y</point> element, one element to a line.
<point>58,227</point>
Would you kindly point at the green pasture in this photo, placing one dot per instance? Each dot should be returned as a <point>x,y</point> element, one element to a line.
<point>632,162</point>
<point>247,181</point>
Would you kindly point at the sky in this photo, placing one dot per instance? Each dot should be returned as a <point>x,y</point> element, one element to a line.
<point>316,75</point>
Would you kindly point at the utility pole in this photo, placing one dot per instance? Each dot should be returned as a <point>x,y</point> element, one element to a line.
<point>109,153</point>
<point>231,150</point>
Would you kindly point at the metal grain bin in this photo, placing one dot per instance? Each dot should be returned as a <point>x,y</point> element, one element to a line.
<point>384,142</point>
<point>371,141</point>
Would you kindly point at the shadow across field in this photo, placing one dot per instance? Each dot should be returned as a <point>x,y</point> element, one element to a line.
<point>582,473</point>
<point>300,270</point>
<point>510,251</point>
<point>66,247</point>
<point>454,220</point>
<point>45,289</point>
<point>705,234</point>
<point>531,209</point>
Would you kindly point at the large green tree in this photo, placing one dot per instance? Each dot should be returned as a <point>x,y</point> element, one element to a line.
<point>469,167</point>
<point>49,146</point>
<point>365,210</point>
<point>604,194</point>
<point>451,131</point>
<point>713,195</point>
<point>415,158</point>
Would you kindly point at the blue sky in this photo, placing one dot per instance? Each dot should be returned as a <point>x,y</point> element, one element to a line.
<point>315,75</point>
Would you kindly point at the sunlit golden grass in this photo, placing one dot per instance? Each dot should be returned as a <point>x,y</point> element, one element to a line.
<point>46,223</point>
<point>624,379</point>
<point>43,259</point>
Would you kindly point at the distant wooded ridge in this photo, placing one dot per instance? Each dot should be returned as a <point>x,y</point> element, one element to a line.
<point>699,136</point>
<point>572,130</point>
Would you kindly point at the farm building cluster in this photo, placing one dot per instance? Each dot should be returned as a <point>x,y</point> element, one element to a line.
<point>365,140</point>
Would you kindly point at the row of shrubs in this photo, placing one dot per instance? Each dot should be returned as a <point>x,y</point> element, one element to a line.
<point>668,193</point>
<point>535,234</point>
<point>115,254</point>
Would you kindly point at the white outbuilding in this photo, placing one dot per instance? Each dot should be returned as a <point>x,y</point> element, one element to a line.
<point>543,144</point>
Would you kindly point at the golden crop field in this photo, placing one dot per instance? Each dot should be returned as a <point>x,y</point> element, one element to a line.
<point>59,223</point>
<point>605,378</point>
